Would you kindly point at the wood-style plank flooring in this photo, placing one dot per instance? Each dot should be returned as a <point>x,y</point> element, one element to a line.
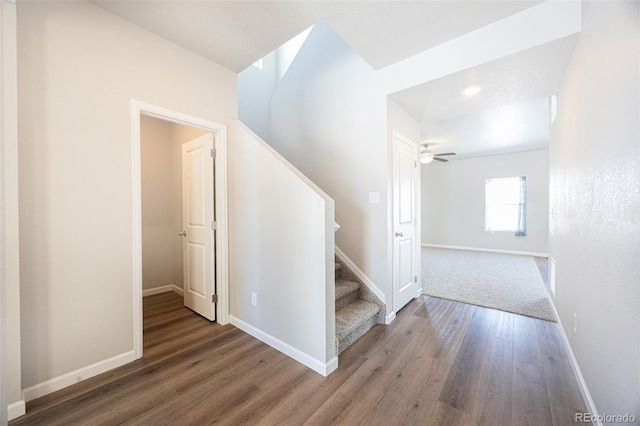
<point>439,363</point>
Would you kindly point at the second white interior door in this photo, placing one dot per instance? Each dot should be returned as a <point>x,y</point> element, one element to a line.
<point>198,226</point>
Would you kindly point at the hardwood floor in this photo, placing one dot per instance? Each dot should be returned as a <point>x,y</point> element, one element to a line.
<point>439,363</point>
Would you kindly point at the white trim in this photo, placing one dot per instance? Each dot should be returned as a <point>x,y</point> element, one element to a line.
<point>584,390</point>
<point>389,318</point>
<point>361,275</point>
<point>68,379</point>
<point>331,366</point>
<point>318,366</point>
<point>489,250</point>
<point>136,177</point>
<point>163,289</point>
<point>16,410</point>
<point>222,266</point>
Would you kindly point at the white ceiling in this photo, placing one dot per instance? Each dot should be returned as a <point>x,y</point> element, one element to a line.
<point>235,34</point>
<point>527,75</point>
<point>512,128</point>
<point>511,112</point>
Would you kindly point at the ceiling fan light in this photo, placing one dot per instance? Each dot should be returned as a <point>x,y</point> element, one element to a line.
<point>471,90</point>
<point>426,158</point>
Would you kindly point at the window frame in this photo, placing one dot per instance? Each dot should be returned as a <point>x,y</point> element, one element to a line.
<point>521,207</point>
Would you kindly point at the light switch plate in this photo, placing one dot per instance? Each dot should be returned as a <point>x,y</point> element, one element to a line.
<point>374,198</point>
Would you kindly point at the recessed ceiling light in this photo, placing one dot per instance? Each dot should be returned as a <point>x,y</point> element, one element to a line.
<point>471,90</point>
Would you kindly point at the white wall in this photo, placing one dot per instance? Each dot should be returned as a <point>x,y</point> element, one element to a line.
<point>287,53</point>
<point>158,238</point>
<point>255,88</point>
<point>595,196</point>
<point>10,386</point>
<point>401,121</point>
<point>328,117</point>
<point>282,226</point>
<point>79,68</point>
<point>161,158</point>
<point>453,201</point>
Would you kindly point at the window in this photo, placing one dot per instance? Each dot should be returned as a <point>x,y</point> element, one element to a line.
<point>505,205</point>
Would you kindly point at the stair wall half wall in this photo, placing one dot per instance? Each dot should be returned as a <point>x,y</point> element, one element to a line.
<point>281,253</point>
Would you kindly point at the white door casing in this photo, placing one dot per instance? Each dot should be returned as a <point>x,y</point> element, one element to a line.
<point>139,108</point>
<point>406,246</point>
<point>198,226</point>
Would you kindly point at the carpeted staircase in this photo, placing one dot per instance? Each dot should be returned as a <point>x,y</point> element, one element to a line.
<point>357,310</point>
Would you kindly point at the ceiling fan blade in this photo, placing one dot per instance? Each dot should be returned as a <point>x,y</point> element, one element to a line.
<point>446,153</point>
<point>440,159</point>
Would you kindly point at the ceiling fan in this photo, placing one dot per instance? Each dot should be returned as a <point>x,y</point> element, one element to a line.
<point>426,156</point>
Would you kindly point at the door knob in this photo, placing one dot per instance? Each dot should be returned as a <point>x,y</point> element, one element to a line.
<point>183,234</point>
<point>399,234</point>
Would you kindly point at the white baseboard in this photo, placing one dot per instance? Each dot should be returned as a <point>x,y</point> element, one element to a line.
<point>374,288</point>
<point>318,366</point>
<point>68,379</point>
<point>389,318</point>
<point>489,250</point>
<point>16,410</point>
<point>332,366</point>
<point>584,390</point>
<point>163,289</point>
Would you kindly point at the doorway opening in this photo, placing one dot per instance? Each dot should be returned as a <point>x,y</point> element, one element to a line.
<point>160,211</point>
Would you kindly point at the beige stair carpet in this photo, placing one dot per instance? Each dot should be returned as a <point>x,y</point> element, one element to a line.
<point>506,282</point>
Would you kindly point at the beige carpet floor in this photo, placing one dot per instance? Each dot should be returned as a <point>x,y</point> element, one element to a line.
<point>506,282</point>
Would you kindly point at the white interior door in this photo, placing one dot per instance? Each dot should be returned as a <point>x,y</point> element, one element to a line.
<point>198,226</point>
<point>405,224</point>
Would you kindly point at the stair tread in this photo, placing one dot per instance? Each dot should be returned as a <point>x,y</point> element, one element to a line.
<point>354,314</point>
<point>345,287</point>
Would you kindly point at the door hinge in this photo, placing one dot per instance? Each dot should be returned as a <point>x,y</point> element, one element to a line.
<point>415,164</point>
<point>214,226</point>
<point>213,153</point>
<point>415,279</point>
<point>214,298</point>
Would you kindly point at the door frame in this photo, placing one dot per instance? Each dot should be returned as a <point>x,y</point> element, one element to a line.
<point>139,108</point>
<point>418,227</point>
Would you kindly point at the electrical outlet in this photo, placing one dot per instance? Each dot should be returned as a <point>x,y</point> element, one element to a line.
<point>254,299</point>
<point>575,323</point>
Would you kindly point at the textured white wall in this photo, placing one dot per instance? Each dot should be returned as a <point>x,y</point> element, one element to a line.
<point>453,201</point>
<point>328,117</point>
<point>79,68</point>
<point>595,196</point>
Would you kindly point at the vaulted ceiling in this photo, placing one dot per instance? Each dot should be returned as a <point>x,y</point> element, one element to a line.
<point>234,34</point>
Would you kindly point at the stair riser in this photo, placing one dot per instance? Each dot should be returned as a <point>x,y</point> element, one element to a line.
<point>346,300</point>
<point>349,339</point>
